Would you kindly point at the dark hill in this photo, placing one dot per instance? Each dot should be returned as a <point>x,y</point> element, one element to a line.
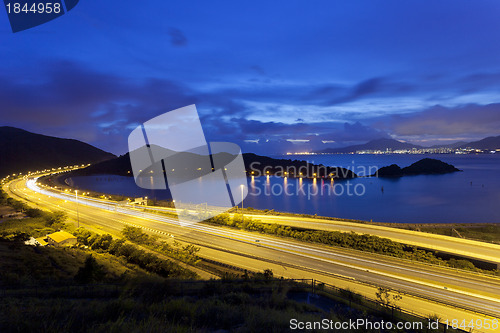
<point>489,143</point>
<point>379,144</point>
<point>426,166</point>
<point>259,165</point>
<point>22,151</point>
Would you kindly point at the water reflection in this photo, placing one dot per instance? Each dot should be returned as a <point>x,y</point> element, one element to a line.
<point>438,199</point>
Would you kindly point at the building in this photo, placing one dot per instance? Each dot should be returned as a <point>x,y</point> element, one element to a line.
<point>140,201</point>
<point>42,241</point>
<point>61,238</point>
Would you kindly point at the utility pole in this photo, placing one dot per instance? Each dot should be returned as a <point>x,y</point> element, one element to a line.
<point>242,186</point>
<point>77,213</point>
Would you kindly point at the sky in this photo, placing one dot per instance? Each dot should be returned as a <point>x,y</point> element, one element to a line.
<point>272,76</point>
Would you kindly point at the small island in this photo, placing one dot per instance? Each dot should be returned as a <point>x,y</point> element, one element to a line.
<point>426,166</point>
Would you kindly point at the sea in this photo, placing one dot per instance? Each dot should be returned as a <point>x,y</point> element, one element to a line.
<point>469,196</point>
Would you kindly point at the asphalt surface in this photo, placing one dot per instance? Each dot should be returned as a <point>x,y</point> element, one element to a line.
<point>453,287</point>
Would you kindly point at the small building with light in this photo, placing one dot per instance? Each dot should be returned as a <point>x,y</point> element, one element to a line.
<point>61,238</point>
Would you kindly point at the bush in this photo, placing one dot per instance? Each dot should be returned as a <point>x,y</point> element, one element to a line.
<point>91,271</point>
<point>56,219</point>
<point>34,212</point>
<point>136,235</point>
<point>148,261</point>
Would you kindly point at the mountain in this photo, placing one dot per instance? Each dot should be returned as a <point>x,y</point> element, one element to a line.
<point>22,151</point>
<point>378,144</point>
<point>259,165</point>
<point>426,166</point>
<point>489,143</point>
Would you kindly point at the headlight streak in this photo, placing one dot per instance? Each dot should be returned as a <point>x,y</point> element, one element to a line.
<point>282,246</point>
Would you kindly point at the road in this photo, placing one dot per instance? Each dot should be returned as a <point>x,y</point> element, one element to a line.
<point>289,258</point>
<point>464,247</point>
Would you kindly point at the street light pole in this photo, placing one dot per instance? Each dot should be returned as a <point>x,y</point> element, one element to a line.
<point>242,198</point>
<point>77,213</point>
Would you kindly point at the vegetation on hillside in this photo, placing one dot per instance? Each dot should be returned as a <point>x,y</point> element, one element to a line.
<point>362,242</point>
<point>132,254</point>
<point>187,253</point>
<point>23,151</point>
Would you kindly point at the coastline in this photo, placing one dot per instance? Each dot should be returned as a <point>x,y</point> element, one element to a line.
<point>488,232</point>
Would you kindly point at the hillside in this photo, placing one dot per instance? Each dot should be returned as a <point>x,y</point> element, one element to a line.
<point>23,151</point>
<point>379,144</point>
<point>259,165</point>
<point>489,143</point>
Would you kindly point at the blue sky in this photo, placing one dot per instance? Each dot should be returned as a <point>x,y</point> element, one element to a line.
<point>292,75</point>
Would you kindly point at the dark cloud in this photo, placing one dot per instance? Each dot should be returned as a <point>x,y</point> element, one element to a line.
<point>259,70</point>
<point>78,102</point>
<point>468,120</point>
<point>326,94</point>
<point>315,133</point>
<point>75,101</point>
<point>177,37</point>
<point>362,89</point>
<point>71,100</point>
<point>359,132</point>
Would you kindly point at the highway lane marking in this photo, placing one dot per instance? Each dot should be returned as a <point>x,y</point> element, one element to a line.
<point>310,249</point>
<point>239,236</point>
<point>278,245</point>
<point>249,238</point>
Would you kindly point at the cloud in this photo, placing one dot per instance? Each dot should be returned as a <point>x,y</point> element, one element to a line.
<point>313,134</point>
<point>68,99</point>
<point>470,120</point>
<point>77,102</point>
<point>258,69</point>
<point>177,37</point>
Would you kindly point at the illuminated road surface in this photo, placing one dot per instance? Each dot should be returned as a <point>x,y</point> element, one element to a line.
<point>462,289</point>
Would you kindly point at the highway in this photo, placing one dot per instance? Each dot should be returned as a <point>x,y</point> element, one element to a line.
<point>289,258</point>
<point>464,247</point>
<point>468,248</point>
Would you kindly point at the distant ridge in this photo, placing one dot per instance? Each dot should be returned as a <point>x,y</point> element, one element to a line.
<point>254,164</point>
<point>23,151</point>
<point>378,144</point>
<point>490,143</point>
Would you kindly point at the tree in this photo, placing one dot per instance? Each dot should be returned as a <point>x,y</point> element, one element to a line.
<point>103,242</point>
<point>136,235</point>
<point>34,212</point>
<point>56,219</point>
<point>383,297</point>
<point>388,300</point>
<point>268,274</point>
<point>91,271</point>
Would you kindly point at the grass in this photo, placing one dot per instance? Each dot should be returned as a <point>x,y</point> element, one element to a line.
<point>40,293</point>
<point>35,227</point>
<point>480,232</point>
<point>22,265</point>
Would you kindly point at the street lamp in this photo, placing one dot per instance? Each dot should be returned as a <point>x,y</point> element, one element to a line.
<point>242,187</point>
<point>77,213</point>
